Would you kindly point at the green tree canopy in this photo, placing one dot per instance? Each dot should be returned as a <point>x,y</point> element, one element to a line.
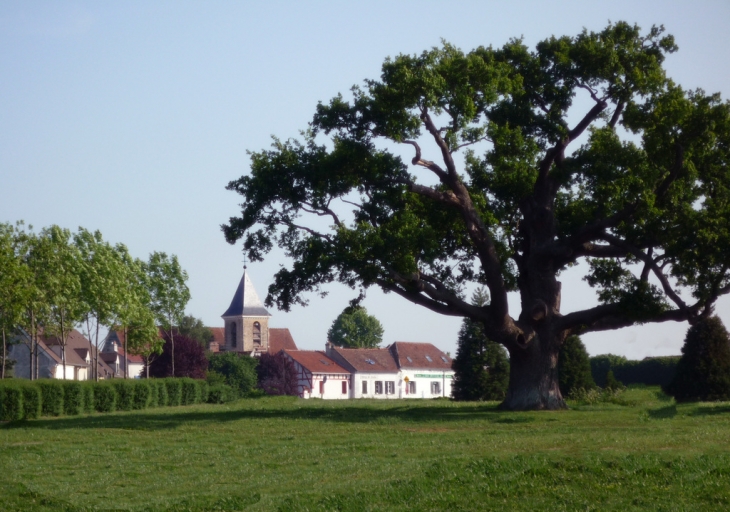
<point>574,366</point>
<point>481,367</point>
<point>354,328</point>
<point>525,162</point>
<point>703,372</point>
<point>194,328</point>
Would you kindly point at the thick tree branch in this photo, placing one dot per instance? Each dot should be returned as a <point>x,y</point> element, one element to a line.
<point>441,143</point>
<point>428,164</point>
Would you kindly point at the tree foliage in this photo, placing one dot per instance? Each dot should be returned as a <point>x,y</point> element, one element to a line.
<point>574,367</point>
<point>277,374</point>
<point>354,328</point>
<point>190,360</point>
<point>526,163</point>
<point>195,328</point>
<point>481,367</point>
<point>703,372</point>
<point>238,370</point>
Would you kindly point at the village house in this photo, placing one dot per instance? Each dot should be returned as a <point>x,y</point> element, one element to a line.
<point>319,376</point>
<point>112,352</point>
<point>79,358</point>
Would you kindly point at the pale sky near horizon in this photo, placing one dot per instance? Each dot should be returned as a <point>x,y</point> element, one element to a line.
<point>131,118</point>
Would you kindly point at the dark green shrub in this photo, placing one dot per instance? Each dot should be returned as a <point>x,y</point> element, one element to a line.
<point>154,393</point>
<point>87,389</point>
<point>31,401</point>
<point>11,402</point>
<point>51,396</point>
<point>221,393</point>
<point>105,397</point>
<point>142,394</point>
<point>125,393</point>
<point>703,372</point>
<point>481,367</point>
<point>203,385</point>
<point>174,392</point>
<point>574,367</point>
<point>651,371</point>
<point>190,392</point>
<point>161,392</point>
<point>239,370</point>
<point>73,398</point>
<point>612,383</point>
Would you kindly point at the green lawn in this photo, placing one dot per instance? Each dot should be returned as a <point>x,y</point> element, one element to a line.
<point>645,453</point>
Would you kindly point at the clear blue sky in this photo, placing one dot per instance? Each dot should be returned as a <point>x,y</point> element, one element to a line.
<point>131,117</point>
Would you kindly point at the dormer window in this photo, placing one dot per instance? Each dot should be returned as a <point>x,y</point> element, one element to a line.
<point>428,358</point>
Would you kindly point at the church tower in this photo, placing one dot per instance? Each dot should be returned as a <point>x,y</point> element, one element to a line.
<point>246,321</point>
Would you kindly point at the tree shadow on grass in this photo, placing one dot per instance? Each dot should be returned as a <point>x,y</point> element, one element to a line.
<point>167,419</point>
<point>711,410</point>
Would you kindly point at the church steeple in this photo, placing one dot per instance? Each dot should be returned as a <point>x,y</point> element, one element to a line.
<point>246,320</point>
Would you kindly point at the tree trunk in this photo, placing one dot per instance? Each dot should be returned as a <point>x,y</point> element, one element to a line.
<point>172,347</point>
<point>533,377</point>
<point>126,359</point>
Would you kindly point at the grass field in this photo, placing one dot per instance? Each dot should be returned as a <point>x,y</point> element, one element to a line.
<point>643,453</point>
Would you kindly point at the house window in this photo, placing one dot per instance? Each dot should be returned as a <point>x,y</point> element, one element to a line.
<point>233,334</point>
<point>344,387</point>
<point>435,388</point>
<point>256,333</point>
<point>390,387</point>
<point>378,387</point>
<point>321,387</point>
<point>411,387</point>
<point>364,387</point>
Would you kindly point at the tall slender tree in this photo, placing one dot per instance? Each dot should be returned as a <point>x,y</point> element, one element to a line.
<point>104,279</point>
<point>14,278</point>
<point>57,264</point>
<point>169,294</point>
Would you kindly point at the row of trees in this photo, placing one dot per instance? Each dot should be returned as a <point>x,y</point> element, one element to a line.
<point>54,281</point>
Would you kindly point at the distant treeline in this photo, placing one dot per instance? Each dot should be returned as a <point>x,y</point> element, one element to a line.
<point>652,371</point>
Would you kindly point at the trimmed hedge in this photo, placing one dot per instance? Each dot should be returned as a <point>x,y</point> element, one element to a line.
<point>651,371</point>
<point>174,391</point>
<point>73,398</point>
<point>24,399</point>
<point>190,392</point>
<point>142,394</point>
<point>125,393</point>
<point>105,398</point>
<point>31,401</point>
<point>51,397</point>
<point>11,403</point>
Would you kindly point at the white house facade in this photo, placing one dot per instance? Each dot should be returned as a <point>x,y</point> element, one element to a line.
<point>319,376</point>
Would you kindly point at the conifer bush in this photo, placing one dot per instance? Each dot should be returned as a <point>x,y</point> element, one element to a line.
<point>612,383</point>
<point>51,396</point>
<point>31,401</point>
<point>574,367</point>
<point>105,397</point>
<point>174,392</point>
<point>73,398</point>
<point>703,371</point>
<point>11,402</point>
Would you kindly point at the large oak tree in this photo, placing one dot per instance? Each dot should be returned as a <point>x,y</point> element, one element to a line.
<point>525,162</point>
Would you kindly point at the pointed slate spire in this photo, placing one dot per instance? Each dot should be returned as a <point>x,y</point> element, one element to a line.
<point>246,301</point>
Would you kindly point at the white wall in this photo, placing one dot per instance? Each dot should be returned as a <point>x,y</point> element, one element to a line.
<point>135,370</point>
<point>69,372</point>
<point>332,386</point>
<point>371,379</point>
<point>423,380</point>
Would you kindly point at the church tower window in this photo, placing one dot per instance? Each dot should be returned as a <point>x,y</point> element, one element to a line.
<point>256,333</point>
<point>233,334</point>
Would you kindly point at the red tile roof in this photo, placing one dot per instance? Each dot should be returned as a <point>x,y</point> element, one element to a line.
<point>315,361</point>
<point>219,334</point>
<point>280,339</point>
<point>366,359</point>
<point>419,355</point>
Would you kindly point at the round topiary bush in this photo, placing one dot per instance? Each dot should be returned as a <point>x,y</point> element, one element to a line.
<point>703,372</point>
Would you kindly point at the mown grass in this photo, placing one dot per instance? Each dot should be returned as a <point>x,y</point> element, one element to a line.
<point>642,452</point>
